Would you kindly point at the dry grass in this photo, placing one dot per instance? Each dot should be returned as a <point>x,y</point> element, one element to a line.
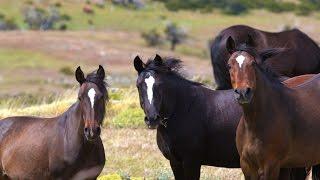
<point>134,152</point>
<point>131,149</point>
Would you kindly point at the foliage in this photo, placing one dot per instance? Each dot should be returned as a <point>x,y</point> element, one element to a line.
<point>236,7</point>
<point>152,37</point>
<point>136,4</point>
<point>44,19</point>
<point>7,23</point>
<point>175,34</point>
<point>67,71</point>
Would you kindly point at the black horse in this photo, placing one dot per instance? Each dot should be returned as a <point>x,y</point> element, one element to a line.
<point>302,55</point>
<point>195,125</point>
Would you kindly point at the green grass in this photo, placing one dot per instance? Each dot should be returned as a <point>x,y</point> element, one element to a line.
<point>18,58</point>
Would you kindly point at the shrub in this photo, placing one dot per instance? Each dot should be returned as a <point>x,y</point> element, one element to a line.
<point>136,4</point>
<point>65,17</point>
<point>175,34</point>
<point>236,8</point>
<point>63,27</point>
<point>44,19</point>
<point>152,38</point>
<point>8,24</point>
<point>67,71</point>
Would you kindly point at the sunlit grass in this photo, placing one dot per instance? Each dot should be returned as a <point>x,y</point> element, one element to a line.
<point>123,109</point>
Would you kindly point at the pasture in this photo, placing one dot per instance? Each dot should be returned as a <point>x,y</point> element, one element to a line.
<point>37,71</point>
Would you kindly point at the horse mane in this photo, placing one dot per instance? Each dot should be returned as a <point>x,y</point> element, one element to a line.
<point>169,65</point>
<point>102,84</point>
<point>262,56</point>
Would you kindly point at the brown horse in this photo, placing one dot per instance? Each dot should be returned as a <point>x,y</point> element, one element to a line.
<point>63,147</point>
<point>289,63</point>
<point>280,125</point>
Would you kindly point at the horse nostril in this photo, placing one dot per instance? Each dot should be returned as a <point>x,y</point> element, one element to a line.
<point>86,130</point>
<point>98,130</point>
<point>248,90</point>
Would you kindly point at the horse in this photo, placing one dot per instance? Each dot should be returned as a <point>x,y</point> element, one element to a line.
<point>195,125</point>
<point>279,127</point>
<point>289,63</point>
<point>64,147</point>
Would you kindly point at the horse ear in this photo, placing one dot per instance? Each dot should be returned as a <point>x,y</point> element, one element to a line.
<point>101,73</point>
<point>231,45</point>
<point>138,64</point>
<point>250,41</point>
<point>158,59</point>
<point>80,76</point>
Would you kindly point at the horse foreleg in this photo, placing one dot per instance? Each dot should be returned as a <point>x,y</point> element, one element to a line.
<point>177,169</point>
<point>269,172</point>
<point>191,170</point>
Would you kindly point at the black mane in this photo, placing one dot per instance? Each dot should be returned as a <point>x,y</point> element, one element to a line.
<point>169,65</point>
<point>102,84</point>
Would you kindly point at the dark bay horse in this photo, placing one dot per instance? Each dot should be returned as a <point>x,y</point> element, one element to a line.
<point>280,125</point>
<point>63,147</point>
<point>289,63</point>
<point>195,125</point>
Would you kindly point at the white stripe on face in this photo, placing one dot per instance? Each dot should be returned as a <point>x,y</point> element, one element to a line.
<point>149,82</point>
<point>240,60</point>
<point>91,94</point>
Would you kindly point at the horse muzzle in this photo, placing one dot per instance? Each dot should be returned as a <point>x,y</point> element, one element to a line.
<point>152,123</point>
<point>92,133</point>
<point>244,95</point>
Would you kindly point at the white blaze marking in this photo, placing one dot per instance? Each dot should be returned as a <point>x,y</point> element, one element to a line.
<point>240,60</point>
<point>149,82</point>
<point>91,94</point>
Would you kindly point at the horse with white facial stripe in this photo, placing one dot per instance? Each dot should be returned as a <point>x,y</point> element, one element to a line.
<point>64,147</point>
<point>280,126</point>
<point>195,125</point>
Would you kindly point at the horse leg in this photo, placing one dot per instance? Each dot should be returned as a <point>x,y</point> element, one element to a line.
<point>177,169</point>
<point>270,172</point>
<point>191,170</point>
<point>316,172</point>
<point>247,171</point>
<point>296,174</point>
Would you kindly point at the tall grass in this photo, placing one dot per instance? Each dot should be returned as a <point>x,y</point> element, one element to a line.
<point>123,109</point>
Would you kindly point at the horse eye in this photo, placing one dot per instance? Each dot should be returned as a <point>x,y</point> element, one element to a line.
<point>79,98</point>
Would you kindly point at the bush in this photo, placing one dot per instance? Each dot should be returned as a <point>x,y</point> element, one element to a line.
<point>175,34</point>
<point>67,71</point>
<point>236,8</point>
<point>152,38</point>
<point>44,19</point>
<point>65,17</point>
<point>63,27</point>
<point>136,4</point>
<point>7,24</point>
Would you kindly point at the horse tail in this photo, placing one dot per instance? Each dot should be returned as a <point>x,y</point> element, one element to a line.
<point>316,172</point>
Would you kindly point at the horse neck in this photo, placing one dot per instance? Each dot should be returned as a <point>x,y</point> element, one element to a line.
<point>266,95</point>
<point>73,125</point>
<point>185,94</point>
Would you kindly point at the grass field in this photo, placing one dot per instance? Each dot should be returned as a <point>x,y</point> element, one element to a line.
<point>36,70</point>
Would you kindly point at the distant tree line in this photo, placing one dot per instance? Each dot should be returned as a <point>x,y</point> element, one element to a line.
<point>302,7</point>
